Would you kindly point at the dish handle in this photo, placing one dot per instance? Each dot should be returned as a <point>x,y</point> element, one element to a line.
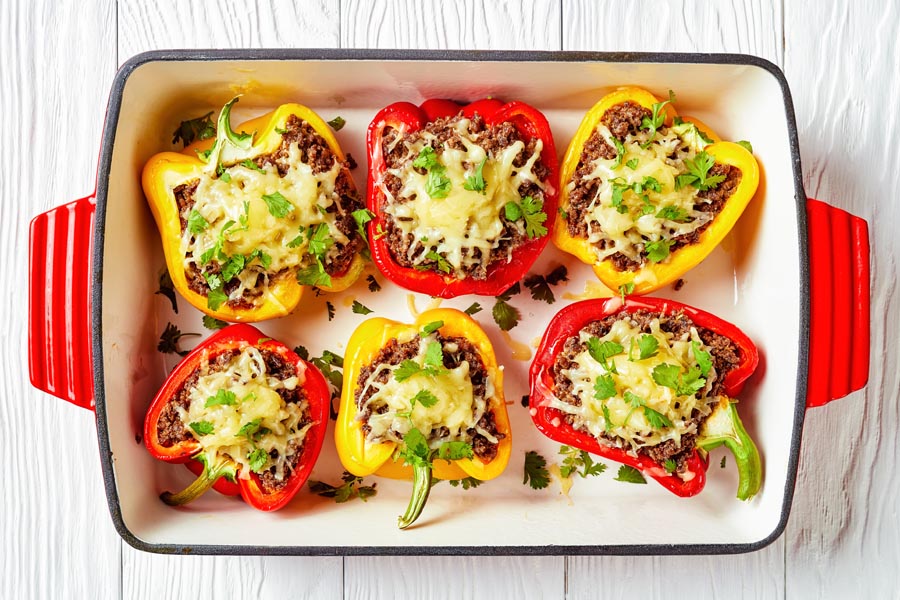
<point>59,302</point>
<point>839,303</point>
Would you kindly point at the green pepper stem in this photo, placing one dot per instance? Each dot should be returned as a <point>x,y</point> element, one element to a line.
<point>206,480</point>
<point>724,427</point>
<point>422,477</point>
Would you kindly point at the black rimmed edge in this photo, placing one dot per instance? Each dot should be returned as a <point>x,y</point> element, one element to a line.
<point>106,152</point>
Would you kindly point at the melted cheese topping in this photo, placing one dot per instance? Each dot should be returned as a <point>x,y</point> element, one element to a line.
<point>253,226</point>
<point>457,408</point>
<point>466,220</point>
<point>628,425</point>
<point>628,227</point>
<point>256,398</point>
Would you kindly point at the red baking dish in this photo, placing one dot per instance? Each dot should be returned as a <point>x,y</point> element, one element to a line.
<point>793,274</point>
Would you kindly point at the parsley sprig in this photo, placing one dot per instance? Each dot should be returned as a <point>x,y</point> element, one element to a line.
<point>531,211</point>
<point>579,461</point>
<point>352,487</point>
<point>656,119</point>
<point>536,473</point>
<point>698,173</point>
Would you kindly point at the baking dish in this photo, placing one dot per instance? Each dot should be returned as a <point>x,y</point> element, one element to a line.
<point>793,274</point>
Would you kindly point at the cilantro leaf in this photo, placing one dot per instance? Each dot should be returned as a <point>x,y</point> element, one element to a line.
<point>698,173</point>
<point>658,251</point>
<point>315,275</point>
<point>430,328</point>
<point>466,483</point>
<point>415,451</point>
<point>169,338</point>
<point>213,323</point>
<point>196,222</point>
<point>629,475</point>
<point>442,264</point>
<point>337,123</point>
<point>657,118</point>
<point>360,308</point>
<point>202,427</point>
<point>670,376</point>
<point>745,145</point>
<point>258,459</point>
<point>722,464</point>
<point>579,459</point>
<point>673,213</point>
<point>703,358</point>
<point>558,275</point>
<point>249,164</point>
<point>423,397</point>
<point>475,183</point>
<point>539,288</point>
<point>438,185</point>
<point>352,487</point>
<point>603,351</point>
<point>407,369</point>
<point>427,159</point>
<point>657,420</point>
<point>604,387</point>
<point>362,216</point>
<point>278,205</point>
<point>670,465</point>
<point>513,211</point>
<point>215,299</point>
<point>374,286</point>
<point>222,398</point>
<point>232,267</point>
<point>506,316</point>
<point>536,473</point>
<point>434,358</point>
<point>620,153</point>
<point>200,128</point>
<point>167,288</point>
<point>534,215</point>
<point>625,289</point>
<point>648,346</point>
<point>632,164</point>
<point>455,451</point>
<point>510,291</point>
<point>320,240</point>
<point>473,309</point>
<point>607,420</point>
<point>250,429</point>
<point>302,352</point>
<point>330,308</point>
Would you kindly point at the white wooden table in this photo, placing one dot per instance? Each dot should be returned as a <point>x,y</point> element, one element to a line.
<point>843,63</point>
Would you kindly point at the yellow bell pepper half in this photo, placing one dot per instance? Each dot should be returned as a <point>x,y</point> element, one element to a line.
<point>167,170</point>
<point>366,342</point>
<point>652,276</point>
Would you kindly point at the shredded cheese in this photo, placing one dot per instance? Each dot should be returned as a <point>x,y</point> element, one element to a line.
<point>465,226</point>
<point>457,409</point>
<point>624,214</point>
<point>628,425</point>
<point>256,397</point>
<point>236,201</point>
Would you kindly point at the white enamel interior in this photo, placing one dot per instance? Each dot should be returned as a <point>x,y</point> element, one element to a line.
<point>752,279</point>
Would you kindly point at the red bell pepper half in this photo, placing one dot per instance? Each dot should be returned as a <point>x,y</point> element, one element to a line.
<point>408,118</point>
<point>222,474</point>
<point>551,422</point>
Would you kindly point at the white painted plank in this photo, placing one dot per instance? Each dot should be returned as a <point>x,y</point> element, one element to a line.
<point>843,538</point>
<point>152,24</point>
<point>693,26</point>
<point>56,536</point>
<point>452,25</point>
<point>454,578</point>
<point>149,25</point>
<point>742,26</point>
<point>448,24</point>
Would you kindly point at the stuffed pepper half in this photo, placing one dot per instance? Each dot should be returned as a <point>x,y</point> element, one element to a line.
<point>463,196</point>
<point>647,195</point>
<point>649,383</point>
<point>248,219</point>
<point>250,410</point>
<point>423,400</point>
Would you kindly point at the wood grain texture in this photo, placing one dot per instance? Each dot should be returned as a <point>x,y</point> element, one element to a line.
<point>449,24</point>
<point>153,24</point>
<point>693,26</point>
<point>843,539</point>
<point>56,536</point>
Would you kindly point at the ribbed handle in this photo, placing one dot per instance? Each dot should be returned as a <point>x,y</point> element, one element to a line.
<point>59,322</point>
<point>839,303</point>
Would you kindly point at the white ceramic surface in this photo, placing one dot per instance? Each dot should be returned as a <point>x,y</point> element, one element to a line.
<point>736,282</point>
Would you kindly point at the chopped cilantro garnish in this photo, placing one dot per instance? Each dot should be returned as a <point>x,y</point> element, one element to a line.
<point>475,183</point>
<point>249,164</point>
<point>629,475</point>
<point>684,384</point>
<point>373,284</point>
<point>360,308</point>
<point>200,128</point>
<point>536,473</point>
<point>698,173</point>
<point>352,487</point>
<point>196,222</point>
<point>213,323</point>
<point>337,123</point>
<point>222,397</point>
<point>531,211</point>
<point>579,461</point>
<point>604,387</point>
<point>423,397</point>
<point>658,251</point>
<point>169,338</point>
<point>473,309</point>
<point>202,427</point>
<point>278,205</point>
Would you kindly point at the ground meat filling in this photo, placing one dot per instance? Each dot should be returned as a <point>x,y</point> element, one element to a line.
<point>395,353</point>
<point>622,120</point>
<point>493,138</point>
<point>171,430</point>
<point>315,152</point>
<point>725,355</point>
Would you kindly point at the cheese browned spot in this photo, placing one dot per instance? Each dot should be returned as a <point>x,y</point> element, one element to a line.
<point>620,420</point>
<point>463,390</point>
<point>304,173</point>
<point>466,230</point>
<point>265,409</point>
<point>625,206</point>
